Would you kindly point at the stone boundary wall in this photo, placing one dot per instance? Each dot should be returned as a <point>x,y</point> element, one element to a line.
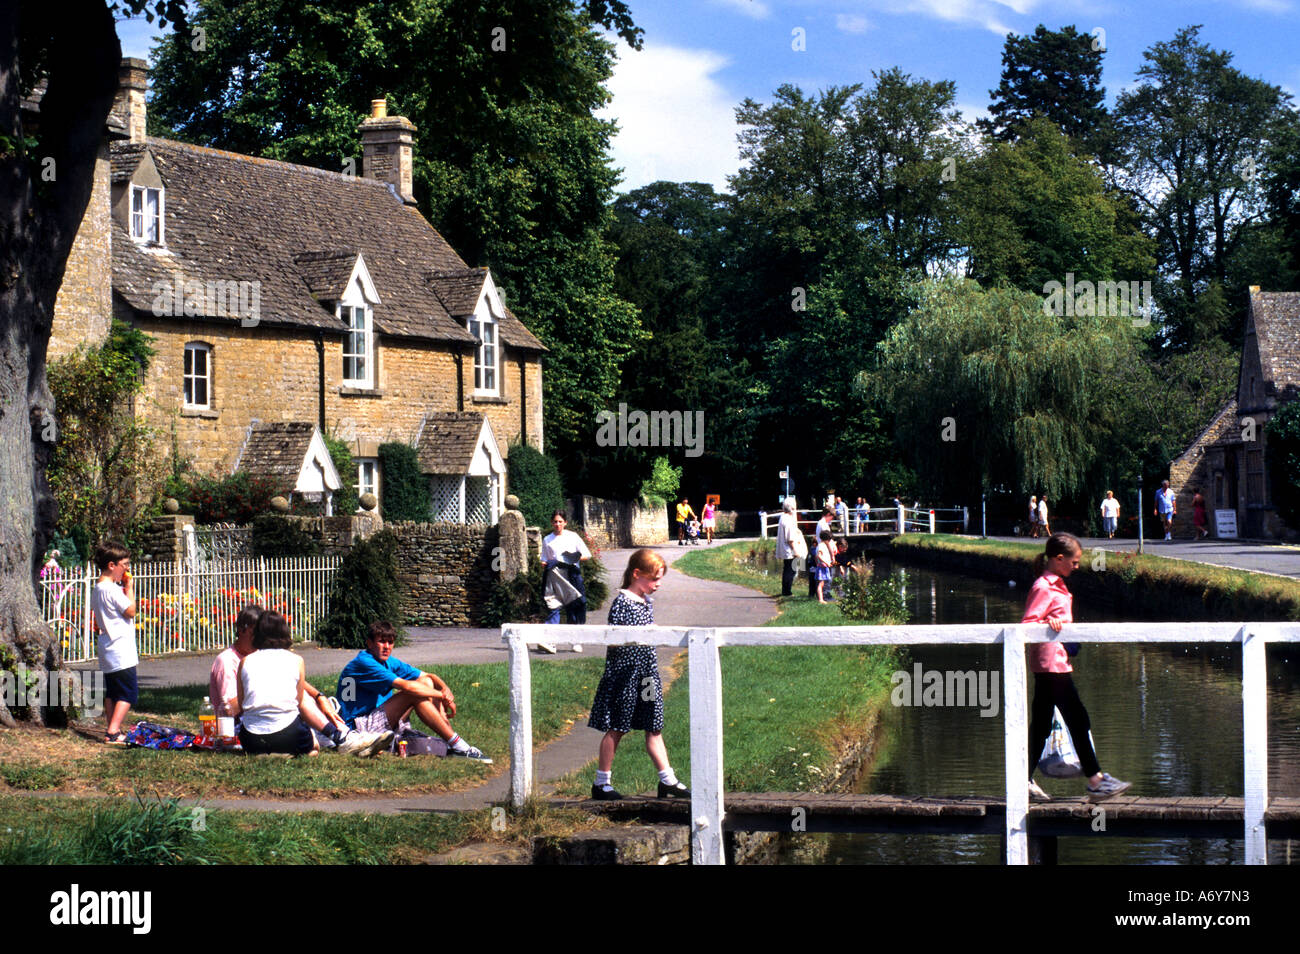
<point>445,570</point>
<point>164,540</point>
<point>620,523</point>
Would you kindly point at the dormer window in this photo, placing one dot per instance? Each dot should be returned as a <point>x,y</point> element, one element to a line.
<point>147,215</point>
<point>358,346</point>
<point>485,356</point>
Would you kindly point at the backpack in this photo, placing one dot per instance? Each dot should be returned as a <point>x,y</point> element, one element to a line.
<point>417,743</point>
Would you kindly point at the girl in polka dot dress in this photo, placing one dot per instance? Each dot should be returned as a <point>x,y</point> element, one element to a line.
<point>630,695</point>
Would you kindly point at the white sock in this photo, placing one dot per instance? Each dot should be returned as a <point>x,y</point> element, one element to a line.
<point>457,743</point>
<point>668,776</point>
<point>603,779</point>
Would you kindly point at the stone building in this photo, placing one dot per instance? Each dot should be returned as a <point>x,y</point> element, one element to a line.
<point>1228,461</point>
<point>283,294</point>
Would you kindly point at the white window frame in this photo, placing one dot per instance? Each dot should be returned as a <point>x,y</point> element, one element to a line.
<point>364,486</point>
<point>189,376</point>
<point>347,314</point>
<point>487,354</point>
<point>139,230</point>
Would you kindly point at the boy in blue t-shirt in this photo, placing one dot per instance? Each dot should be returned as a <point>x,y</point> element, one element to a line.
<point>377,692</point>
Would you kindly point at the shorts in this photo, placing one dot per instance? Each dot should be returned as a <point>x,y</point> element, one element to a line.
<point>293,739</point>
<point>823,574</point>
<point>377,721</point>
<point>122,686</point>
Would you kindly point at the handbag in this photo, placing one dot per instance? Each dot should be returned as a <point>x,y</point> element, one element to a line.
<point>417,743</point>
<point>800,546</point>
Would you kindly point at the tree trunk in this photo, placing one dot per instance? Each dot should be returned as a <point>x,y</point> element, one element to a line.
<point>39,218</point>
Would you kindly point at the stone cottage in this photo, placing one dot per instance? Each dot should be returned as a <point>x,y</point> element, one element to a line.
<point>279,294</point>
<point>1228,460</point>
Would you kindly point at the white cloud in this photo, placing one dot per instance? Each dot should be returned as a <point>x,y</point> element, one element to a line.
<point>676,121</point>
<point>851,23</point>
<point>750,8</point>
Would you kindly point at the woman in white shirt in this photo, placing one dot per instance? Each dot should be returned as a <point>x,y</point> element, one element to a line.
<point>271,682</point>
<point>563,552</point>
<point>790,545</point>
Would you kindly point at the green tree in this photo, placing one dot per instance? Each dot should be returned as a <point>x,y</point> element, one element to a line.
<point>365,589</point>
<point>406,493</point>
<point>1193,133</point>
<point>1033,210</point>
<point>989,390</point>
<point>1056,75</point>
<point>535,479</point>
<point>1284,460</point>
<point>511,163</point>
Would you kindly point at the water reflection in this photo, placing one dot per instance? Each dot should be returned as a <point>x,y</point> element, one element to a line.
<point>1166,718</point>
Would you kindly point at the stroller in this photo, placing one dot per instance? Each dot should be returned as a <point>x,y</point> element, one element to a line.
<point>693,531</point>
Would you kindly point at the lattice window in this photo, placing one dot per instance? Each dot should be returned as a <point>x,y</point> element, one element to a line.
<point>446,498</point>
<point>478,500</point>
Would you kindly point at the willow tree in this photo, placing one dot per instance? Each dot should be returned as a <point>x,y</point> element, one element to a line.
<point>990,389</point>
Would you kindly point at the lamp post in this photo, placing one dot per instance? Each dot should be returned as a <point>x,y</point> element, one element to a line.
<point>1139,513</point>
<point>984,516</point>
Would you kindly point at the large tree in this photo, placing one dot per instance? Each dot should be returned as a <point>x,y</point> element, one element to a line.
<point>45,183</point>
<point>511,164</point>
<point>1194,135</point>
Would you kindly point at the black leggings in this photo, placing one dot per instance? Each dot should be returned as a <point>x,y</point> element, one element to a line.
<point>787,577</point>
<point>1056,690</point>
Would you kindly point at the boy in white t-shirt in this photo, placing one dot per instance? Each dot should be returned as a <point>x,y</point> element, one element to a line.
<point>113,601</point>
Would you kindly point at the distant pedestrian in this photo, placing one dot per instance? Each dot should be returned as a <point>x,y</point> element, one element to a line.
<point>709,520</point>
<point>1043,525</point>
<point>864,516</point>
<point>113,603</point>
<point>1200,519</point>
<point>684,513</point>
<point>825,563</point>
<point>1166,508</point>
<point>631,694</point>
<point>1109,515</point>
<point>1033,516</point>
<point>1050,602</point>
<point>842,514</point>
<point>790,545</point>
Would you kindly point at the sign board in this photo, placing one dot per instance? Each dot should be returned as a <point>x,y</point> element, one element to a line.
<point>714,499</point>
<point>1225,524</point>
<point>784,475</point>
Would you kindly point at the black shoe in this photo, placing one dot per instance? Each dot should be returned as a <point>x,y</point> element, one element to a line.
<point>674,791</point>
<point>600,795</point>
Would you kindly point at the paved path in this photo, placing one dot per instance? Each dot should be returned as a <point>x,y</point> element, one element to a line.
<point>1256,556</point>
<point>681,600</point>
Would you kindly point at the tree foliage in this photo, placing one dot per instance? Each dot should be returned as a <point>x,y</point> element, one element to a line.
<point>406,494</point>
<point>535,479</point>
<point>365,590</point>
<point>1284,460</point>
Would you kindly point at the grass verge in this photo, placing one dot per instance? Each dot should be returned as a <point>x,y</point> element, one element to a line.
<point>73,762</point>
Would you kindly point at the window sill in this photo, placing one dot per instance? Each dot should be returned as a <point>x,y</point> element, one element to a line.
<point>203,412</point>
<point>489,399</point>
<point>350,391</point>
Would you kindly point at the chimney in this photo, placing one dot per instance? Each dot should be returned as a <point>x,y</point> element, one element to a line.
<point>132,84</point>
<point>387,145</point>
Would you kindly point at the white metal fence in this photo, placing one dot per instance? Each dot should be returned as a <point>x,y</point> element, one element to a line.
<point>190,605</point>
<point>706,700</point>
<point>880,520</point>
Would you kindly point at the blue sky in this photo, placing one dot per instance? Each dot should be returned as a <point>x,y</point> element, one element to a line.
<point>674,100</point>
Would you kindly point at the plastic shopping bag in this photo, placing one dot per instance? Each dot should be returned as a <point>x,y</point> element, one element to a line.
<point>1059,760</point>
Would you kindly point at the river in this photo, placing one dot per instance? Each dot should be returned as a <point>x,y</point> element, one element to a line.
<point>1167,718</point>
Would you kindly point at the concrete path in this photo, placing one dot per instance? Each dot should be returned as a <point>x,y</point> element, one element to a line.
<point>1257,556</point>
<point>681,600</point>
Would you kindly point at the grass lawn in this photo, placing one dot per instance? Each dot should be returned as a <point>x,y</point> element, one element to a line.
<point>786,710</point>
<point>78,762</point>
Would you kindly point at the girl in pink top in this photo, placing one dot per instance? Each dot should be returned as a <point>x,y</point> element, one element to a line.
<point>1050,602</point>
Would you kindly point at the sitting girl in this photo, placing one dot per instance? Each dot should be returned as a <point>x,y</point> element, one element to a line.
<point>271,682</point>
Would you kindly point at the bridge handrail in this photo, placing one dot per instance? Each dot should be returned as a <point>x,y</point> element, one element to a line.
<point>899,520</point>
<point>705,671</point>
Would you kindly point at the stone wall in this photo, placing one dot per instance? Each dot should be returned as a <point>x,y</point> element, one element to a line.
<point>337,535</point>
<point>620,523</point>
<point>446,571</point>
<point>164,540</point>
<point>84,306</point>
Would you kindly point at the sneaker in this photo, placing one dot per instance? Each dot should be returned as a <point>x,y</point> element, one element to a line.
<point>576,647</point>
<point>1036,794</point>
<point>601,794</point>
<point>674,791</point>
<point>469,752</point>
<point>1108,786</point>
<point>547,648</point>
<point>365,744</point>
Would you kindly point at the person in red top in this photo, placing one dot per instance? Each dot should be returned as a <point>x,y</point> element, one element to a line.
<point>1050,602</point>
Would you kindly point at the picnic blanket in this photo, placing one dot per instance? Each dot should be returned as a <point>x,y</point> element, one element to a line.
<point>151,735</point>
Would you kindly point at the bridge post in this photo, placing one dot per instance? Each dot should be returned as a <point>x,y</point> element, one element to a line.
<point>1254,698</point>
<point>705,668</point>
<point>521,719</point>
<point>1017,732</point>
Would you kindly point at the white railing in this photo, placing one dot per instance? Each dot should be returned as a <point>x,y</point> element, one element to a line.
<point>191,606</point>
<point>882,520</point>
<point>706,700</point>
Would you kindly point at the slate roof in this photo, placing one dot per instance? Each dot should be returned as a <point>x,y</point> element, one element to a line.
<point>448,441</point>
<point>1277,329</point>
<point>458,290</point>
<point>276,450</point>
<point>231,217</point>
<point>327,272</point>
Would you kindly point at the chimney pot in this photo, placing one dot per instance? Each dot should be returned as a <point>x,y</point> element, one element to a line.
<point>378,108</point>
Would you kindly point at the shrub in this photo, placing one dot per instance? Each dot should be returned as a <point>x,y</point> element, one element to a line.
<point>535,479</point>
<point>236,498</point>
<point>345,498</point>
<point>522,601</point>
<point>872,602</point>
<point>365,590</point>
<point>661,486</point>
<point>274,535</point>
<point>404,490</point>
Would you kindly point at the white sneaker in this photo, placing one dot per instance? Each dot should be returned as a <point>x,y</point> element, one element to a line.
<point>1036,794</point>
<point>547,648</point>
<point>1108,786</point>
<point>365,744</point>
<point>576,647</point>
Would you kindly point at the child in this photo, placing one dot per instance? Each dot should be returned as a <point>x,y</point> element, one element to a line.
<point>1050,602</point>
<point>271,683</point>
<point>843,563</point>
<point>113,602</point>
<point>624,698</point>
<point>825,560</point>
<point>693,531</point>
